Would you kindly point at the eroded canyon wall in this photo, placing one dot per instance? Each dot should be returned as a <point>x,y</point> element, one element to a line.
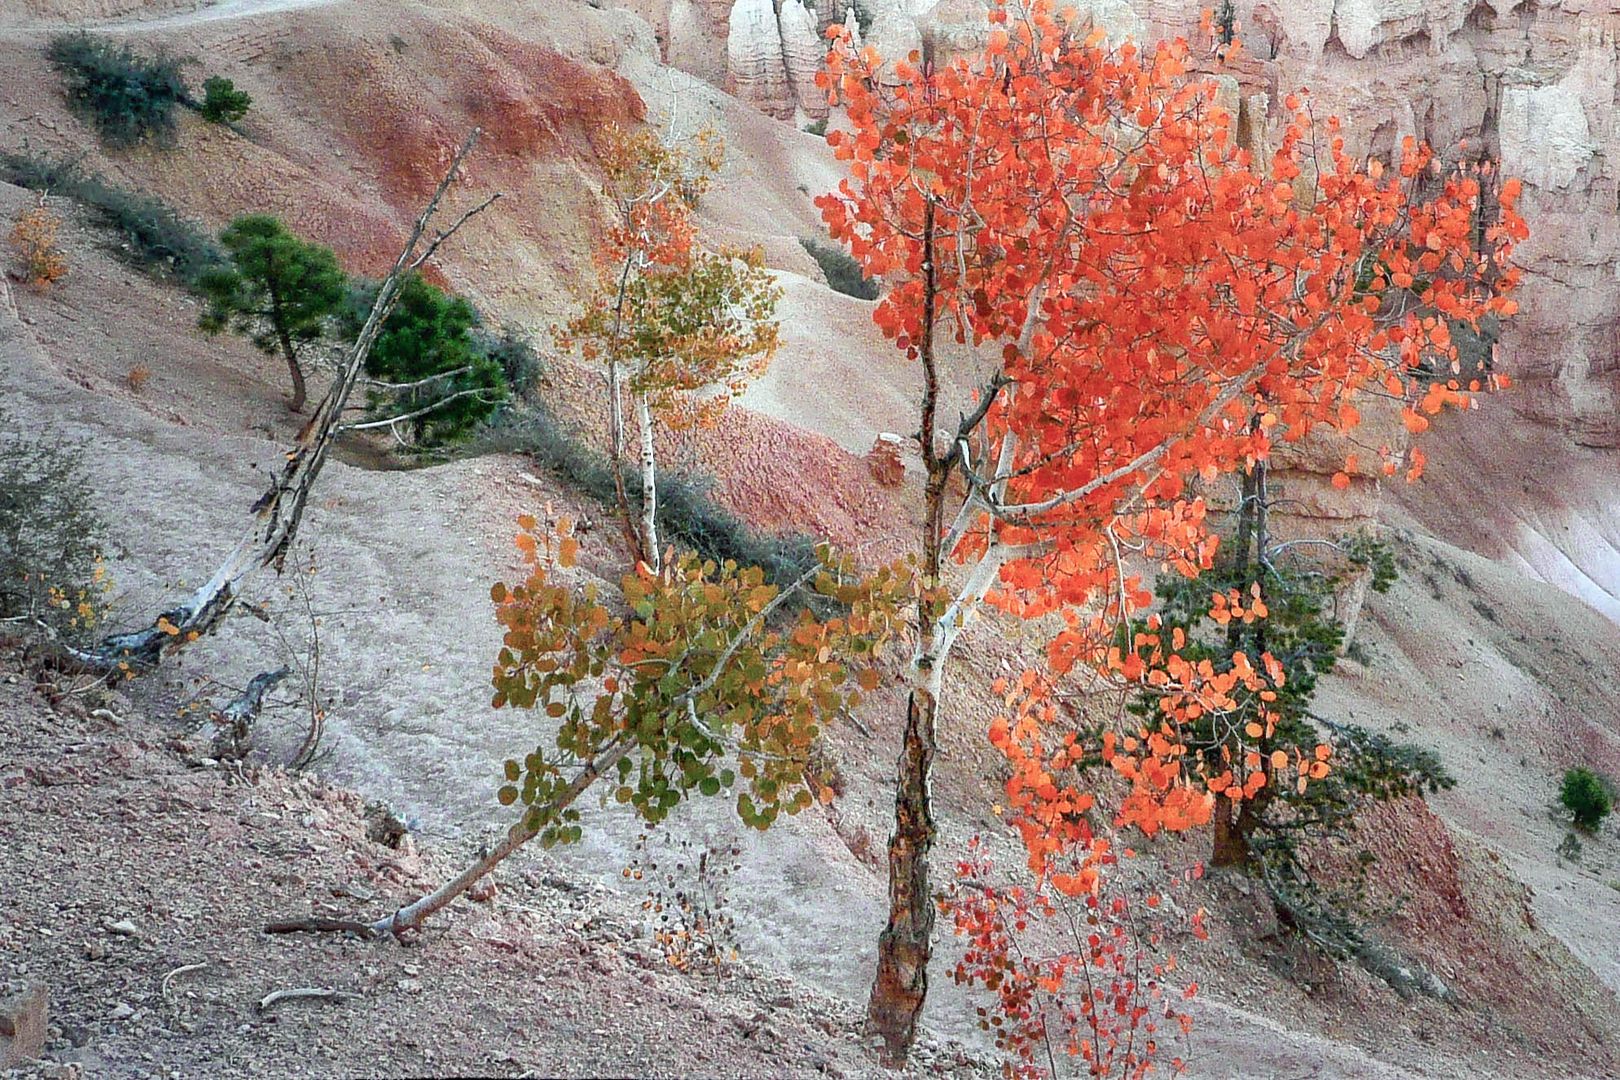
<point>1534,81</point>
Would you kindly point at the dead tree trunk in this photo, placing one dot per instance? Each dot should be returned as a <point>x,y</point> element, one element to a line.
<point>280,510</point>
<point>230,733</point>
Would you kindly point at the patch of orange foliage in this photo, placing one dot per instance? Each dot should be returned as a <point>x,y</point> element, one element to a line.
<point>1165,309</point>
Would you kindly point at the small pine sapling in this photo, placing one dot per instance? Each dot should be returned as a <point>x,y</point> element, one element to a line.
<point>279,290</point>
<point>222,102</point>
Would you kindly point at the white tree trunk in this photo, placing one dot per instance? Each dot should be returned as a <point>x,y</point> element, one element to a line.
<point>649,485</point>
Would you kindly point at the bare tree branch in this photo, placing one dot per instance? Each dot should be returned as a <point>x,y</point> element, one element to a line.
<point>280,511</point>
<point>415,413</point>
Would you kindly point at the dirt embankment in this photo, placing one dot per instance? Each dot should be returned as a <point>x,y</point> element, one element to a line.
<point>137,885</point>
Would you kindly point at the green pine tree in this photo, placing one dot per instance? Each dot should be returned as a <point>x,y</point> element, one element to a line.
<point>279,290</point>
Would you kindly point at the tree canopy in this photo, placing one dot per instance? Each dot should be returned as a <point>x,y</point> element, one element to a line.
<point>1158,307</point>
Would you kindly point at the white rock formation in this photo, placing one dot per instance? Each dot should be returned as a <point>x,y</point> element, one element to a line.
<point>802,52</point>
<point>853,25</point>
<point>755,69</point>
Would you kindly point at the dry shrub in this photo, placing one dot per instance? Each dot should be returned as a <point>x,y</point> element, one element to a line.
<point>138,376</point>
<point>33,239</point>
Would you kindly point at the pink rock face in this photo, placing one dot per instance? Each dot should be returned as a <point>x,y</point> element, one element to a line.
<point>887,461</point>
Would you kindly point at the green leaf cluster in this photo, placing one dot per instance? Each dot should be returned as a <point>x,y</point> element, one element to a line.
<point>695,668</point>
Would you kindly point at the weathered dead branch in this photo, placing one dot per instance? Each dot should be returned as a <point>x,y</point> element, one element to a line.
<point>280,510</point>
<point>230,732</point>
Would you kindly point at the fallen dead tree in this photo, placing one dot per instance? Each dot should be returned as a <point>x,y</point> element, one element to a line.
<point>280,510</point>
<point>230,733</point>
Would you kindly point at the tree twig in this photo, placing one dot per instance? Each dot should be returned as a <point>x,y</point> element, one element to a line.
<point>320,926</point>
<point>318,993</point>
<point>163,988</point>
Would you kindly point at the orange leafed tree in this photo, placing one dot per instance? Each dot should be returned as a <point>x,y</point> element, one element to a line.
<point>1157,309</point>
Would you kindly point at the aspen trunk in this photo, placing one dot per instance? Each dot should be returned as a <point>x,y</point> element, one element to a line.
<point>906,944</point>
<point>649,486</point>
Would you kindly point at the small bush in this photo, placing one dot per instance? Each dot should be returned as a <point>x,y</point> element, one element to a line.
<point>1586,797</point>
<point>516,356</point>
<point>222,102</point>
<point>51,538</point>
<point>818,127</point>
<point>843,272</point>
<point>150,235</point>
<point>129,98</point>
<point>33,239</point>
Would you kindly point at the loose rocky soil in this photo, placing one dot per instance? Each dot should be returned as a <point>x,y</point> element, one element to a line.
<point>123,866</point>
